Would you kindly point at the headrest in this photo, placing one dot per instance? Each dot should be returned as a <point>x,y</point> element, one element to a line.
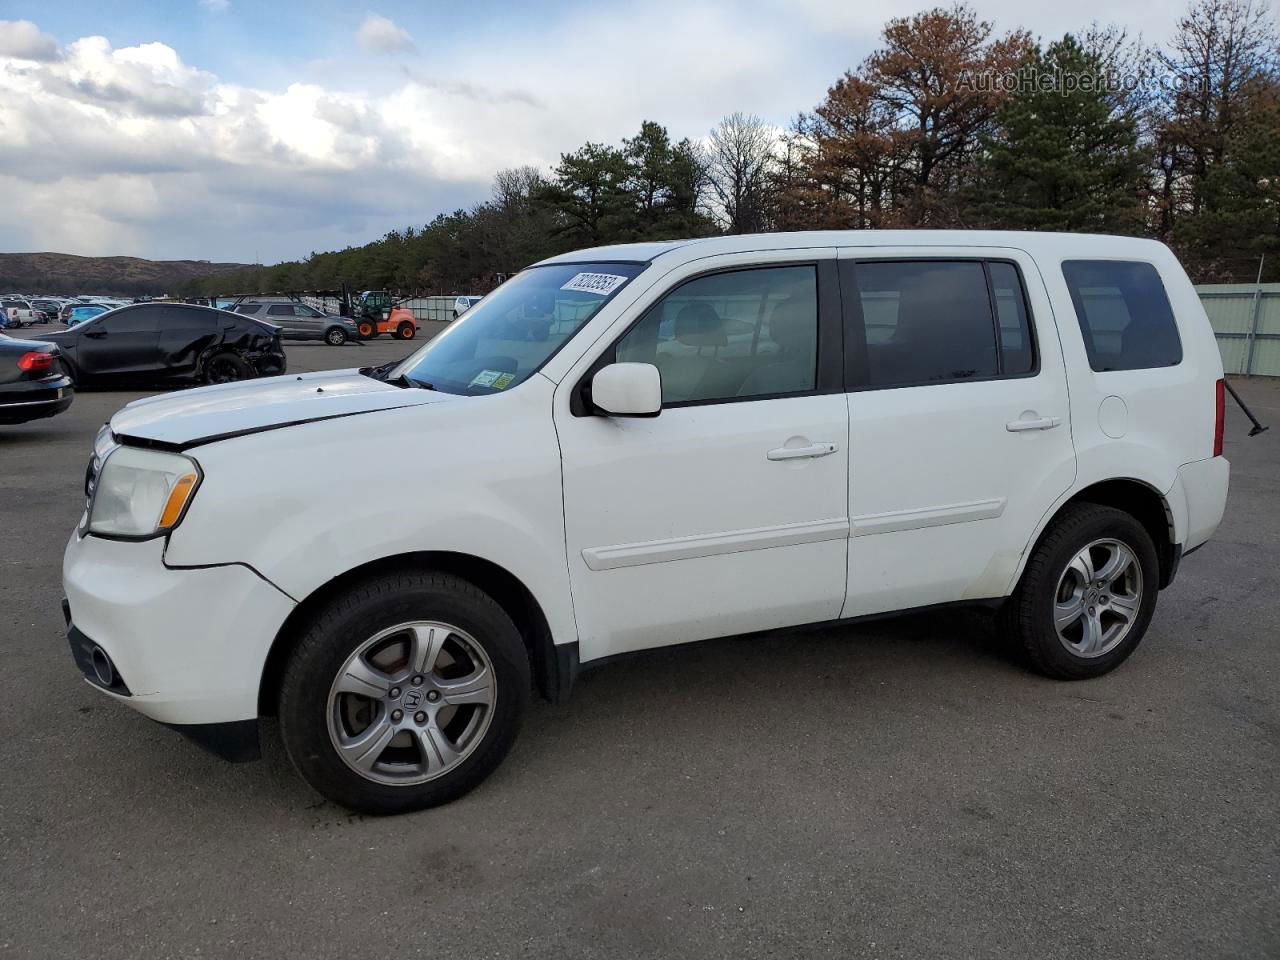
<point>698,325</point>
<point>792,324</point>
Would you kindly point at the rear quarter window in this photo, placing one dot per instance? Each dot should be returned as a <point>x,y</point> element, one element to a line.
<point>1124,313</point>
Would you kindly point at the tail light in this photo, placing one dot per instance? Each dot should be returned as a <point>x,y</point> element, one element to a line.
<point>1219,417</point>
<point>36,362</point>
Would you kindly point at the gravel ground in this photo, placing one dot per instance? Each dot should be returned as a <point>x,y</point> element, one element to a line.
<point>896,789</point>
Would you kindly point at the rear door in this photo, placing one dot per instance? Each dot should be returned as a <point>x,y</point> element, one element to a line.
<point>121,343</point>
<point>310,322</point>
<point>284,317</point>
<point>185,334</point>
<point>959,423</point>
<point>727,512</point>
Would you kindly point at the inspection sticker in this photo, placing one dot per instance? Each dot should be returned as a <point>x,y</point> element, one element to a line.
<point>485,378</point>
<point>503,381</point>
<point>601,284</point>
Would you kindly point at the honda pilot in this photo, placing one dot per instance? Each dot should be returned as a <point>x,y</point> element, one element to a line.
<point>707,438</point>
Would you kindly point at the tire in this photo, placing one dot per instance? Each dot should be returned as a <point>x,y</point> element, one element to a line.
<point>404,775</point>
<point>367,329</point>
<point>1041,619</point>
<point>226,368</point>
<point>335,336</point>
<point>406,331</point>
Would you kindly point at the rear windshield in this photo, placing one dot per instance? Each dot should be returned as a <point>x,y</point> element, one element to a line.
<point>506,336</point>
<point>1124,313</point>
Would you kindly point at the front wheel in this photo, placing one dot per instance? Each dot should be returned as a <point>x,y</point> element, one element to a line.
<point>405,692</point>
<point>367,329</point>
<point>335,337</point>
<point>1087,594</point>
<point>405,331</point>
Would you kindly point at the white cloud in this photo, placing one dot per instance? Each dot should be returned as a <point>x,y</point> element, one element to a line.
<point>133,150</point>
<point>215,6</point>
<point>22,40</point>
<point>378,34</point>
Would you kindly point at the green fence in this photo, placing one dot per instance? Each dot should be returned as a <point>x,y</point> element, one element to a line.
<point>1246,321</point>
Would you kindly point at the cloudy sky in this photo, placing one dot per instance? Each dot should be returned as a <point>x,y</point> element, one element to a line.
<point>242,129</point>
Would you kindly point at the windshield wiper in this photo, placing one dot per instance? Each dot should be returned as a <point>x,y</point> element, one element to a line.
<point>404,380</point>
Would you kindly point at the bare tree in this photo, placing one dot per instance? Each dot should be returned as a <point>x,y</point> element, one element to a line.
<point>1222,60</point>
<point>739,158</point>
<point>515,187</point>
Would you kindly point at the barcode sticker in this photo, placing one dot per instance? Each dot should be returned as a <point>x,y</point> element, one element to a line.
<point>601,284</point>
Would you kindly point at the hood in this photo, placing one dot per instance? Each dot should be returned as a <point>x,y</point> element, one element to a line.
<point>192,417</point>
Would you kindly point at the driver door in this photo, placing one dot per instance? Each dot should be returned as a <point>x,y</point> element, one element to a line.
<point>726,513</point>
<point>120,344</point>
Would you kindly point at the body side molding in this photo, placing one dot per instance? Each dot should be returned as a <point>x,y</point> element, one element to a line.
<point>714,544</point>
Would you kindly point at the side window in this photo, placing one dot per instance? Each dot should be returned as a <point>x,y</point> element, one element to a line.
<point>744,333</point>
<point>249,308</point>
<point>926,321</point>
<point>1017,347</point>
<point>280,310</point>
<point>130,321</point>
<point>178,320</point>
<point>301,310</point>
<point>1124,313</point>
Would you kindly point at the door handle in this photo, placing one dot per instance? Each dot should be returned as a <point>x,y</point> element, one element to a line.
<point>798,453</point>
<point>1044,423</point>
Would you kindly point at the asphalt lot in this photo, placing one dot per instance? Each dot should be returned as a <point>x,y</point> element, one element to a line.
<point>896,789</point>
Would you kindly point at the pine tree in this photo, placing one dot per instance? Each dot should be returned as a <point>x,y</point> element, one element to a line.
<point>1065,154</point>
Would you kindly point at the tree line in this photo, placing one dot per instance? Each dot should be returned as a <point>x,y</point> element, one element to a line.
<point>948,123</point>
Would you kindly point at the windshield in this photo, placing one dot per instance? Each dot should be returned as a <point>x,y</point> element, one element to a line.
<point>513,331</point>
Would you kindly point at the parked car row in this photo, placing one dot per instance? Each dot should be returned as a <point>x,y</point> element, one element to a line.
<point>141,342</point>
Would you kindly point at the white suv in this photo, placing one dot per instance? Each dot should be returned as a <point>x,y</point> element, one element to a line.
<point>710,437</point>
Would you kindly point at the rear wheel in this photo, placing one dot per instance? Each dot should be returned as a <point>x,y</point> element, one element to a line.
<point>405,692</point>
<point>1087,595</point>
<point>335,336</point>
<point>226,368</point>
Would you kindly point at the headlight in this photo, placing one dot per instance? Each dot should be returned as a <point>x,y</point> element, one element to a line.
<point>141,493</point>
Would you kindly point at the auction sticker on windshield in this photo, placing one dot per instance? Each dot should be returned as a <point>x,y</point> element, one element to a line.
<point>601,284</point>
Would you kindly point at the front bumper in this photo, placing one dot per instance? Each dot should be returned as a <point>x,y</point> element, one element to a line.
<point>188,645</point>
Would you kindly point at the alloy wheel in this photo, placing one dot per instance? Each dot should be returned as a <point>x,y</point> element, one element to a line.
<point>1098,598</point>
<point>411,703</point>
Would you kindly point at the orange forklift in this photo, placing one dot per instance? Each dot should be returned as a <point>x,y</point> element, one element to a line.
<point>376,312</point>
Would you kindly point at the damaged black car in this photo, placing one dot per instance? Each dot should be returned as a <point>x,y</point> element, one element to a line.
<point>170,341</point>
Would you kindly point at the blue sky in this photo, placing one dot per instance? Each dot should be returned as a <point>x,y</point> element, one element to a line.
<point>230,129</point>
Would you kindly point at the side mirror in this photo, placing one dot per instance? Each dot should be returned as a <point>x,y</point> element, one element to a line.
<point>627,390</point>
